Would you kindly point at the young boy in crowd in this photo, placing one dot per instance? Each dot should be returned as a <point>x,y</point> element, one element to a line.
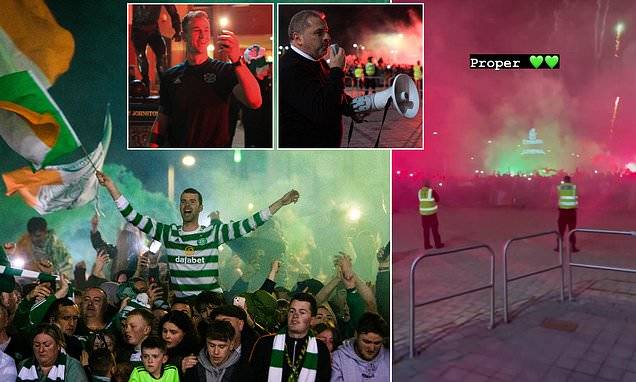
<point>154,357</point>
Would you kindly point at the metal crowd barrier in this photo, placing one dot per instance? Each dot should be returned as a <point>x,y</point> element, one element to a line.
<point>412,305</point>
<point>506,280</point>
<point>593,266</point>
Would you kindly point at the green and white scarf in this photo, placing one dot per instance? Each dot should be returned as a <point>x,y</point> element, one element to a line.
<point>9,271</point>
<point>29,370</point>
<point>308,357</point>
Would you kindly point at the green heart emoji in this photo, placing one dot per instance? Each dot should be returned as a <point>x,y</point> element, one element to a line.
<point>551,61</point>
<point>536,61</point>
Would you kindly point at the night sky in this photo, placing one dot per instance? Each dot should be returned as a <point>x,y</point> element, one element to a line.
<point>367,25</point>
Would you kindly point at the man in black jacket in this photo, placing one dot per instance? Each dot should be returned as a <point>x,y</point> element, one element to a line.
<point>293,353</point>
<point>312,97</point>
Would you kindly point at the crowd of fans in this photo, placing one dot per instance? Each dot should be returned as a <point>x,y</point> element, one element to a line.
<point>123,323</point>
<point>615,191</point>
<point>383,74</point>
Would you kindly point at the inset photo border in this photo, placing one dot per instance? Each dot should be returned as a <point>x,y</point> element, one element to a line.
<point>216,76</point>
<point>350,76</point>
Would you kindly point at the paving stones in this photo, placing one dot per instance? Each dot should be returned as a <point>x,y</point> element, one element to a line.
<point>592,338</point>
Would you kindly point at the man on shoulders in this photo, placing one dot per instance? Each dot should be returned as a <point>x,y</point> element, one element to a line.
<point>42,250</point>
<point>192,249</point>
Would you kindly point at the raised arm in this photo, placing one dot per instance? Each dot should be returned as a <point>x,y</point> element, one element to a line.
<point>367,294</point>
<point>383,282</point>
<point>148,225</point>
<point>323,295</point>
<point>229,231</point>
<point>290,197</point>
<point>270,282</point>
<point>360,286</point>
<point>108,183</point>
<point>247,90</point>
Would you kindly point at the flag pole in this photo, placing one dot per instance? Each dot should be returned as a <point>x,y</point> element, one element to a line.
<point>82,145</point>
<point>97,210</point>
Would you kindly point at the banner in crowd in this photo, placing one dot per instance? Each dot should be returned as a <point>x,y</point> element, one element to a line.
<point>31,59</point>
<point>61,186</point>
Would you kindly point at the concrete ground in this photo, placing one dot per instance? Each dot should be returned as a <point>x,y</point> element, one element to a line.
<point>592,338</point>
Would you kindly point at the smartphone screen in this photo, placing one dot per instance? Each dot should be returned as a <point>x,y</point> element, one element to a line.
<point>154,247</point>
<point>240,302</point>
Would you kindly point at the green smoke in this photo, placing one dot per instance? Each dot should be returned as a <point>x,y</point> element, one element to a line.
<point>308,234</point>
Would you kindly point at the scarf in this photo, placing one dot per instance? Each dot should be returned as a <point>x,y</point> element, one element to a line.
<point>308,359</point>
<point>29,370</point>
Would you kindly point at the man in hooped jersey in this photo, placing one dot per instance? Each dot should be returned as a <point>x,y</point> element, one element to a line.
<point>192,249</point>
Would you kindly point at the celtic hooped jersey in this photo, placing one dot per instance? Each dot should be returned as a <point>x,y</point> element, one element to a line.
<point>193,256</point>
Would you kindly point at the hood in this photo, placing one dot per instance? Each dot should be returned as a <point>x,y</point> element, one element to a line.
<point>216,373</point>
<point>348,351</point>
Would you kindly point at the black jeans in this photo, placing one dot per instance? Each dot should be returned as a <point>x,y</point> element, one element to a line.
<point>430,223</point>
<point>567,219</point>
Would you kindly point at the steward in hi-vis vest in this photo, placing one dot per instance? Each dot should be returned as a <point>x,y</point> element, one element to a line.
<point>358,72</point>
<point>428,210</point>
<point>568,203</point>
<point>369,79</point>
<point>417,71</point>
<point>369,68</point>
<point>567,196</point>
<point>417,76</point>
<point>428,205</point>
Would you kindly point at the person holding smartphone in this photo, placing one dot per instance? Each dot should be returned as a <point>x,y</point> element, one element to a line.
<point>194,96</point>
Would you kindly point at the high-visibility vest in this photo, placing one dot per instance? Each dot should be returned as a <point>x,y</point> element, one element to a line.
<point>417,72</point>
<point>428,205</point>
<point>369,68</point>
<point>358,72</point>
<point>567,196</point>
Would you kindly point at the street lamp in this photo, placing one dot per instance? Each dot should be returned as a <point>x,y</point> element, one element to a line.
<point>354,214</point>
<point>620,27</point>
<point>188,160</point>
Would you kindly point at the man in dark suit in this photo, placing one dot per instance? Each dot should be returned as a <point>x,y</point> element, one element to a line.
<point>312,97</point>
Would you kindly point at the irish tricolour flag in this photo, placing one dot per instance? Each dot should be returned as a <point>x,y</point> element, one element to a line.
<point>64,186</point>
<point>34,51</point>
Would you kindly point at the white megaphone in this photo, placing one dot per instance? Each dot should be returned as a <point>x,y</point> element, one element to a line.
<point>403,93</point>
